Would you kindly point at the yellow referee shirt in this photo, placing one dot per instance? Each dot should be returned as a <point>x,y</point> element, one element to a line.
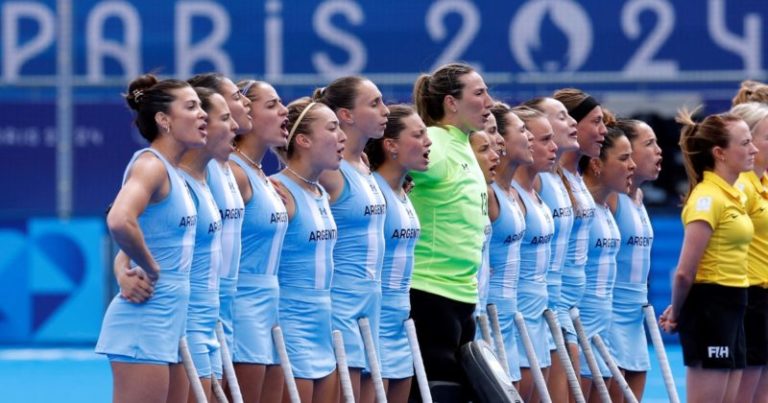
<point>722,206</point>
<point>756,190</point>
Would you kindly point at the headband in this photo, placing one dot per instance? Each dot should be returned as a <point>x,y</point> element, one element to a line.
<point>296,124</point>
<point>582,109</point>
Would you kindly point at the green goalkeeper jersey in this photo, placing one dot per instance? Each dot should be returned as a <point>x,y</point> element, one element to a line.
<point>451,200</point>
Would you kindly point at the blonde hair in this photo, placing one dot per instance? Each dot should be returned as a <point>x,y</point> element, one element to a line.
<point>751,91</point>
<point>752,113</point>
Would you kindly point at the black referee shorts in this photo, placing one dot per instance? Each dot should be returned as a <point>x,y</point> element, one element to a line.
<point>711,327</point>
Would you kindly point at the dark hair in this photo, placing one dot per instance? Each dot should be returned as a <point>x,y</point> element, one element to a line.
<point>430,91</point>
<point>374,149</point>
<point>147,96</point>
<point>628,126</point>
<point>697,141</point>
<point>207,80</point>
<point>295,110</point>
<point>611,136</point>
<point>205,94</point>
<point>500,111</point>
<point>340,93</point>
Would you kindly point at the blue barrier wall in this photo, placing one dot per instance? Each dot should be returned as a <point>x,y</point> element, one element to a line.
<point>54,277</point>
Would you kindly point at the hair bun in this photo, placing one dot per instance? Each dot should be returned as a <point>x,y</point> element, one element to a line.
<point>137,89</point>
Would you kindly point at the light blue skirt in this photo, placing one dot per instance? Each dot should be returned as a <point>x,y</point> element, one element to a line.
<point>349,305</point>
<point>396,358</point>
<point>595,315</point>
<point>305,318</point>
<point>626,338</point>
<point>255,313</point>
<point>202,316</point>
<point>150,330</point>
<point>531,302</point>
<point>507,311</point>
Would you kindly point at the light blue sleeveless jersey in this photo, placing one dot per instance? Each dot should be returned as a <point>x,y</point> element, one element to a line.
<point>508,231</point>
<point>306,260</point>
<point>151,331</point>
<point>264,226</point>
<point>227,196</point>
<point>555,195</point>
<point>401,231</point>
<point>359,212</point>
<point>600,270</point>
<point>535,248</point>
<point>634,258</point>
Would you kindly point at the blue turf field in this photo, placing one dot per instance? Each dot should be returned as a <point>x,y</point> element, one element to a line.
<point>79,375</point>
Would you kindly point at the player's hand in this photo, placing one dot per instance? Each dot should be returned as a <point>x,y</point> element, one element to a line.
<point>280,189</point>
<point>135,285</point>
<point>668,321</point>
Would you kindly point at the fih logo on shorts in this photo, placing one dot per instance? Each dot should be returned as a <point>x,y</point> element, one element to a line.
<point>717,352</point>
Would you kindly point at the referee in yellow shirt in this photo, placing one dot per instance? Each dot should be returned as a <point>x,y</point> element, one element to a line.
<point>709,294</point>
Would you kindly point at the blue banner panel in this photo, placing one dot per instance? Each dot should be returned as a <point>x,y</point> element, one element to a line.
<point>52,282</point>
<point>633,38</point>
